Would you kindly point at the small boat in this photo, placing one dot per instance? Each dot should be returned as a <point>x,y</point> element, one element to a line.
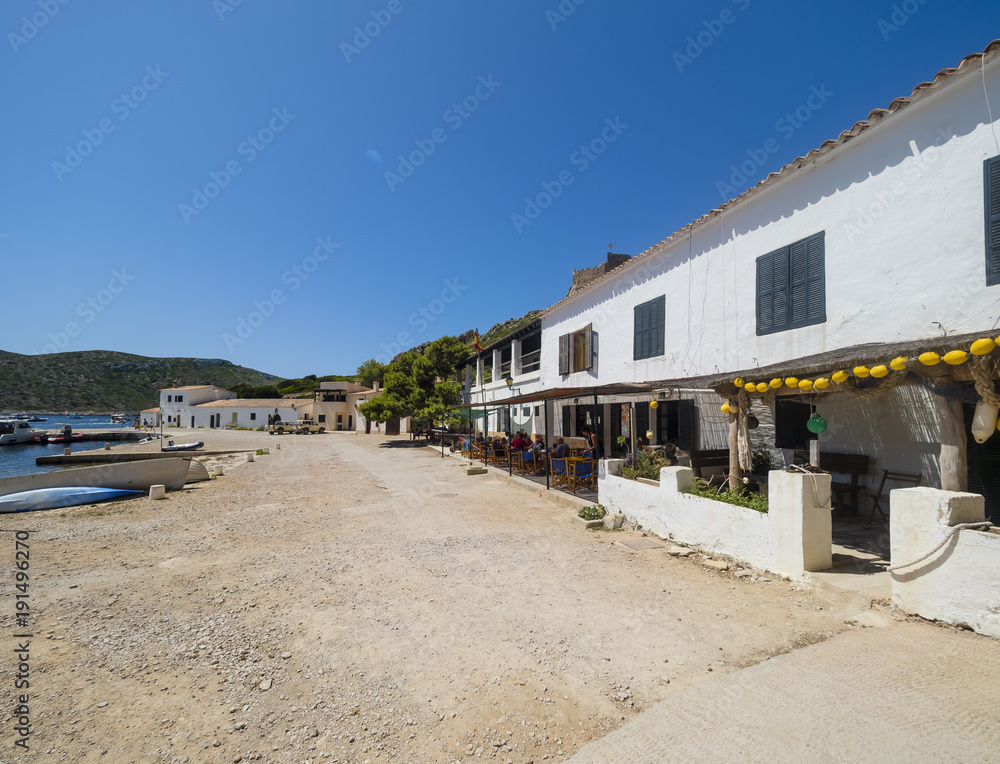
<point>182,446</point>
<point>170,472</point>
<point>37,419</point>
<point>62,439</point>
<point>57,498</point>
<point>17,431</point>
<point>197,472</point>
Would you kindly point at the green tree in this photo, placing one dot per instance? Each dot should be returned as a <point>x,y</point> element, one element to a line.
<point>371,371</point>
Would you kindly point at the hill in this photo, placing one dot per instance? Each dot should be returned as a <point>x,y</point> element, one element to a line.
<point>106,381</point>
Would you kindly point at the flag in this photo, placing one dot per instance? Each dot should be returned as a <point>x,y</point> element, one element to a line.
<point>609,246</point>
<point>476,342</point>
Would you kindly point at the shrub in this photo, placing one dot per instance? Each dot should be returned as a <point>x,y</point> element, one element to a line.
<point>763,462</point>
<point>596,512</point>
<point>647,465</point>
<point>740,497</point>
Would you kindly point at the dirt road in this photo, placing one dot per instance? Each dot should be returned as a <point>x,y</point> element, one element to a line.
<point>347,599</point>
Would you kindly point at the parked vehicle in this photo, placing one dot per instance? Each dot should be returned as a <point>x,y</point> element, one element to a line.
<point>296,426</point>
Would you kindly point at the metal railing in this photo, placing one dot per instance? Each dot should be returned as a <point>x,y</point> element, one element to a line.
<point>529,362</point>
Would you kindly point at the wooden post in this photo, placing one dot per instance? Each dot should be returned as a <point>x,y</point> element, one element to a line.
<point>953,457</point>
<point>735,472</point>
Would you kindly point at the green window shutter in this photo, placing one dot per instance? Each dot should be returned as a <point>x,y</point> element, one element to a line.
<point>648,333</point>
<point>658,309</point>
<point>772,292</point>
<point>816,279</point>
<point>991,185</point>
<point>686,425</point>
<point>791,286</point>
<point>639,333</point>
<point>588,347</point>
<point>564,354</point>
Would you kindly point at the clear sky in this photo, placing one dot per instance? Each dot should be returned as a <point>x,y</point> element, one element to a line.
<point>294,185</point>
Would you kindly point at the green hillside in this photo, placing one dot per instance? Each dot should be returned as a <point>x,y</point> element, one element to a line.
<point>105,381</point>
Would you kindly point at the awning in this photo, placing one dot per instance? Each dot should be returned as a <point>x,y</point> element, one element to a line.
<point>561,393</point>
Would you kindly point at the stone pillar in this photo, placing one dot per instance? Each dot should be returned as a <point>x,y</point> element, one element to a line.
<point>799,506</point>
<point>953,459</point>
<point>515,358</point>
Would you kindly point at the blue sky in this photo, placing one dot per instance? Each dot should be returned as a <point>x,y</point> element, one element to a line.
<point>217,179</point>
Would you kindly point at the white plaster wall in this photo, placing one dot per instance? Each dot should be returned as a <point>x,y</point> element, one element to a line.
<point>905,254</point>
<point>202,415</point>
<point>958,584</point>
<point>794,536</point>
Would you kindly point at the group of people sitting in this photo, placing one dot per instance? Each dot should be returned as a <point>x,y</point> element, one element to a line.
<point>522,441</point>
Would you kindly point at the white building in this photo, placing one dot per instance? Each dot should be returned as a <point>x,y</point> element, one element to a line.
<point>176,402</point>
<point>884,242</point>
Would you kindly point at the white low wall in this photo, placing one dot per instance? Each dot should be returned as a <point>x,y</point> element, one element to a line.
<point>793,537</point>
<point>958,584</point>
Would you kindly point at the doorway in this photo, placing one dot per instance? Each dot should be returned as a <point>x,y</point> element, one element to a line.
<point>984,465</point>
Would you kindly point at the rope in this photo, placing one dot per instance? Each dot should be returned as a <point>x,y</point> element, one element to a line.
<point>983,371</point>
<point>828,503</point>
<point>875,391</point>
<point>947,537</point>
<point>744,448</point>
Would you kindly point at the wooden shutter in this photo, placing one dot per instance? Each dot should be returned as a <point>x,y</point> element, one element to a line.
<point>639,349</point>
<point>565,422</point>
<point>564,354</point>
<point>772,292</point>
<point>685,425</point>
<point>658,310</point>
<point>991,184</point>
<point>588,347</point>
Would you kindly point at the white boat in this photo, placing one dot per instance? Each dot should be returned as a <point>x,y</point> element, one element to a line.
<point>130,476</point>
<point>17,431</point>
<point>57,498</point>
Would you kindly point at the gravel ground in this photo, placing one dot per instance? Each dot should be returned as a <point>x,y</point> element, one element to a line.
<point>350,599</point>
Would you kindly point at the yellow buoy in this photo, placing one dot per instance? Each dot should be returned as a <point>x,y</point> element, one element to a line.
<point>822,383</point>
<point>839,376</point>
<point>879,371</point>
<point>861,371</point>
<point>762,387</point>
<point>792,381</point>
<point>725,407</point>
<point>654,404</point>
<point>930,358</point>
<point>898,363</point>
<point>738,382</point>
<point>776,383</point>
<point>805,384</point>
<point>982,347</point>
<point>955,357</point>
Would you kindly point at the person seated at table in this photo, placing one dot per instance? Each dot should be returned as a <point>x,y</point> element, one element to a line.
<point>479,438</point>
<point>519,443</point>
<point>539,444</point>
<point>561,450</point>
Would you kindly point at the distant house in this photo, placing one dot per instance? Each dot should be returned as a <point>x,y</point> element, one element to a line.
<point>175,402</point>
<point>151,416</point>
<point>335,405</point>
<point>245,412</point>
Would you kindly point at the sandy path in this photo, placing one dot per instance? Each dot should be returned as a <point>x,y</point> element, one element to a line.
<point>394,608</point>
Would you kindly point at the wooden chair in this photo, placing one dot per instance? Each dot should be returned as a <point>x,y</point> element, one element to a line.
<point>846,495</point>
<point>559,472</point>
<point>517,462</point>
<point>500,456</point>
<point>905,478</point>
<point>582,474</point>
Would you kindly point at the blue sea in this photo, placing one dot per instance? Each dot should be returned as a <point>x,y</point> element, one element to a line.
<point>20,459</point>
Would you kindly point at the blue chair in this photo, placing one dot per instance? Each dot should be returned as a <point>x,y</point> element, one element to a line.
<point>582,474</point>
<point>558,471</point>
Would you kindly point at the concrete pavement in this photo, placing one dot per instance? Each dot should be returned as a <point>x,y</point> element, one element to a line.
<point>910,692</point>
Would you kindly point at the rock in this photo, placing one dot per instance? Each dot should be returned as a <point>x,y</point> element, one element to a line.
<point>102,704</point>
<point>716,564</point>
<point>679,551</point>
<point>763,579</point>
<point>286,656</point>
<point>743,573</point>
<point>265,684</point>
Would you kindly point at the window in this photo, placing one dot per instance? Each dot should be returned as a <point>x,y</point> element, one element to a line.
<point>322,418</point>
<point>790,429</point>
<point>236,415</point>
<point>170,399</point>
<point>675,422</point>
<point>340,418</point>
<point>991,186</point>
<point>253,416</point>
<point>791,288</point>
<point>576,350</point>
<point>649,321</point>
<point>178,398</point>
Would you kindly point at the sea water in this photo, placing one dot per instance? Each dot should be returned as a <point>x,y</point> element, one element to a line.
<point>19,458</point>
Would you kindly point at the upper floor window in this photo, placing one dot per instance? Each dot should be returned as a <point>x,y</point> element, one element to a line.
<point>791,286</point>
<point>178,398</point>
<point>576,350</point>
<point>649,322</point>
<point>991,186</point>
<point>170,399</point>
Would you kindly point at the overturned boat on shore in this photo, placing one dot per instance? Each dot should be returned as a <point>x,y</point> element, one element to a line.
<point>169,472</point>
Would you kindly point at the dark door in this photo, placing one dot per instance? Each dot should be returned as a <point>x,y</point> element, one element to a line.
<point>350,422</point>
<point>392,427</point>
<point>984,465</point>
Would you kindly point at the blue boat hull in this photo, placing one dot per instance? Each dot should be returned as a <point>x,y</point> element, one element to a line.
<point>57,498</point>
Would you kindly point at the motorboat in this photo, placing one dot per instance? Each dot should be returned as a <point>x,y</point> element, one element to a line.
<point>17,431</point>
<point>182,446</point>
